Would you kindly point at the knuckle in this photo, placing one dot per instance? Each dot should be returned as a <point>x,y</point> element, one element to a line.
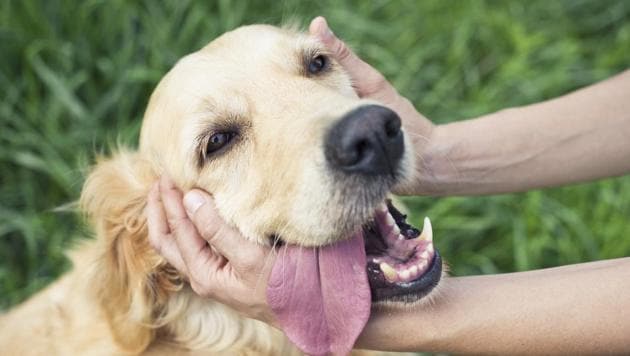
<point>342,51</point>
<point>178,223</point>
<point>374,86</point>
<point>378,80</point>
<point>209,230</point>
<point>155,242</point>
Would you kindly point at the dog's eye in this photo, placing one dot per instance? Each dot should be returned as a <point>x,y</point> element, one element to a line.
<point>218,141</point>
<point>317,64</point>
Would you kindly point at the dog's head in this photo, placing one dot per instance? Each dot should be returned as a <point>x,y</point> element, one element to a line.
<point>268,123</point>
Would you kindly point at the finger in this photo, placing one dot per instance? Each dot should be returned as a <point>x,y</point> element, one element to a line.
<point>159,232</point>
<point>158,225</point>
<point>195,252</point>
<point>226,240</point>
<point>367,79</point>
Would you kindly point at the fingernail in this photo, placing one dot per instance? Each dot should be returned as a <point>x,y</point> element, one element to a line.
<point>193,201</point>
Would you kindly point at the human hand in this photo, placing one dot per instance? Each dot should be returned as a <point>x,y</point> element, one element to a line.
<point>371,84</point>
<point>217,260</point>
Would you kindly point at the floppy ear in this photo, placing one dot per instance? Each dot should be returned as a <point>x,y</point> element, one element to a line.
<point>132,282</point>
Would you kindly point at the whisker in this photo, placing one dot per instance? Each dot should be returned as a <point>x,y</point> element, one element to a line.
<point>268,258</point>
<point>418,135</point>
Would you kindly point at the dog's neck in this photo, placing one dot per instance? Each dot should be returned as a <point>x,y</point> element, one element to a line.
<point>70,317</point>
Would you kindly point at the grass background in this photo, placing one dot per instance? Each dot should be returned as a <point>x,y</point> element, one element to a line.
<point>75,76</point>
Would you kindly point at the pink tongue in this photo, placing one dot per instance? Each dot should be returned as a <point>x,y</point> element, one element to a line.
<point>321,296</point>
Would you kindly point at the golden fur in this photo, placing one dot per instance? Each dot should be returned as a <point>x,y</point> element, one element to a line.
<point>121,297</point>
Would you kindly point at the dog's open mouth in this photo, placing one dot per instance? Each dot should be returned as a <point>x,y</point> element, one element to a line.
<point>322,296</point>
<point>402,264</point>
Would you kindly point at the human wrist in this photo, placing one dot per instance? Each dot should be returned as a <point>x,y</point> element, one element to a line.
<point>465,157</point>
<point>434,170</point>
<point>418,135</point>
<point>399,329</point>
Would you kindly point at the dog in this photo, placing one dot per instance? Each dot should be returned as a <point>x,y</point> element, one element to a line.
<point>268,122</point>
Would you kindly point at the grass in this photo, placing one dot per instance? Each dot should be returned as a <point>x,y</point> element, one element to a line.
<point>76,76</point>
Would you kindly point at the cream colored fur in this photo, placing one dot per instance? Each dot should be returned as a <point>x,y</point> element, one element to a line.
<point>121,297</point>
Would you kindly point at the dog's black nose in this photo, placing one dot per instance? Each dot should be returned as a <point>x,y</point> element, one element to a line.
<point>367,140</point>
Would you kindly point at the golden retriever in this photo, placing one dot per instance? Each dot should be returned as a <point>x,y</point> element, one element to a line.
<point>265,120</point>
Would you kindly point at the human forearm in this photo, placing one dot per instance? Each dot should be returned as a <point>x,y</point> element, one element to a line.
<point>579,137</point>
<point>579,309</point>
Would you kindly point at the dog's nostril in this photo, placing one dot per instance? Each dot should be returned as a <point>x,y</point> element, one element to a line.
<point>361,148</point>
<point>353,153</point>
<point>392,128</point>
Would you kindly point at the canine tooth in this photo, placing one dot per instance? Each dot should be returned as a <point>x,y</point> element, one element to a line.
<point>389,272</point>
<point>427,231</point>
<point>389,220</point>
<point>395,231</point>
<point>404,275</point>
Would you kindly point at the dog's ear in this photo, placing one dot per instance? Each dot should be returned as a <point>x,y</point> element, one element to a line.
<point>132,282</point>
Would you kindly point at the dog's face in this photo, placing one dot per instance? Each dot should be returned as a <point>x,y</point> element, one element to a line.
<point>268,123</point>
<point>248,118</point>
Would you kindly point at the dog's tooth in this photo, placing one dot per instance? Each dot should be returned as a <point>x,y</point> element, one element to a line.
<point>413,270</point>
<point>430,249</point>
<point>427,231</point>
<point>422,266</point>
<point>389,220</point>
<point>392,236</point>
<point>382,208</point>
<point>376,260</point>
<point>389,272</point>
<point>424,255</point>
<point>395,231</point>
<point>404,275</point>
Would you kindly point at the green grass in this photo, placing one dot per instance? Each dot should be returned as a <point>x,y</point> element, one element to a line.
<point>75,76</point>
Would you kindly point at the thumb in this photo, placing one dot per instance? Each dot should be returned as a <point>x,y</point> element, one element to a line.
<point>368,80</point>
<point>225,239</point>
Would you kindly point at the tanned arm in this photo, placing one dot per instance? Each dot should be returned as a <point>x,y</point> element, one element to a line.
<point>579,137</point>
<point>577,309</point>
